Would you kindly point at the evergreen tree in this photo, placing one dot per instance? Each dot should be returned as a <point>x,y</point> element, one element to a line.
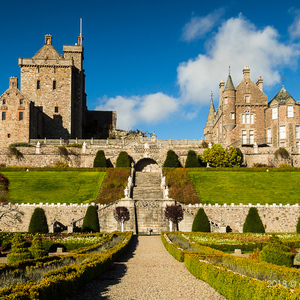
<point>192,160</point>
<point>172,160</point>
<point>100,160</point>
<point>19,251</point>
<point>123,160</point>
<point>38,222</point>
<point>37,250</point>
<point>201,222</point>
<point>91,220</point>
<point>298,226</point>
<point>253,222</point>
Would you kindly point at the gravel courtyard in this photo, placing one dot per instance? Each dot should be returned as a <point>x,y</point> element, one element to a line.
<point>148,271</point>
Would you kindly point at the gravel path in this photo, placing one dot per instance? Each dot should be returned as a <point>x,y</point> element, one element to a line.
<point>148,271</point>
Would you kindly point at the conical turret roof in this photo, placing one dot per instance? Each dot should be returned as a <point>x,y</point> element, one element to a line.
<point>229,84</point>
<point>211,115</point>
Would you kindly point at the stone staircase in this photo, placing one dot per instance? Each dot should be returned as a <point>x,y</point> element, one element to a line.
<point>147,186</point>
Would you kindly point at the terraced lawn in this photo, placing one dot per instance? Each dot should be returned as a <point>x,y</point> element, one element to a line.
<point>247,187</point>
<point>54,186</point>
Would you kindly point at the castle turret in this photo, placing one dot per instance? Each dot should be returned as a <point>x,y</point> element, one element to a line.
<point>229,98</point>
<point>221,87</point>
<point>208,129</point>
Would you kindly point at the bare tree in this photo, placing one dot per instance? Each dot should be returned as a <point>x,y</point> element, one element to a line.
<point>174,213</point>
<point>10,214</point>
<point>121,214</point>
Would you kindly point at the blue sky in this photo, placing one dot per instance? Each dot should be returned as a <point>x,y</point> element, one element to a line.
<point>156,62</point>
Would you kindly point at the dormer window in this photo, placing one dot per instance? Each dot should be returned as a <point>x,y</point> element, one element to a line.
<point>247,99</point>
<point>290,111</point>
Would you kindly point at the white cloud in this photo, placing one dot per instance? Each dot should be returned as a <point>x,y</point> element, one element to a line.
<point>237,43</point>
<point>197,27</point>
<point>294,29</point>
<point>152,108</point>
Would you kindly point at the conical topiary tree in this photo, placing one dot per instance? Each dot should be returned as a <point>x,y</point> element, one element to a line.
<point>123,160</point>
<point>37,250</point>
<point>201,222</point>
<point>38,222</point>
<point>253,222</point>
<point>91,220</point>
<point>100,160</point>
<point>19,251</point>
<point>298,226</point>
<point>171,160</point>
<point>192,160</point>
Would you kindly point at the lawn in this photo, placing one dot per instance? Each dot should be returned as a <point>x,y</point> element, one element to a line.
<point>54,186</point>
<point>247,187</point>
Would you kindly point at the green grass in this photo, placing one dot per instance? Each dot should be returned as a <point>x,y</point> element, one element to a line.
<point>54,186</point>
<point>247,187</point>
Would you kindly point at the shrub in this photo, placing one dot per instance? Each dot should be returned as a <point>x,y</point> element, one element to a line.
<point>20,144</point>
<point>38,222</point>
<point>100,160</point>
<point>298,226</point>
<point>74,145</point>
<point>61,165</point>
<point>123,160</point>
<point>91,220</point>
<point>19,251</point>
<point>285,166</point>
<point>171,160</point>
<point>255,255</point>
<point>201,222</point>
<point>259,165</point>
<point>253,222</point>
<point>192,160</point>
<point>281,152</point>
<point>37,250</point>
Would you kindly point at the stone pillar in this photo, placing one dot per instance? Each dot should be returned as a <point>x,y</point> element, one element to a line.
<point>255,148</point>
<point>84,148</point>
<point>38,148</point>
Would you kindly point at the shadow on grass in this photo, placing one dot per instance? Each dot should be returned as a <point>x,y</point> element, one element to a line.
<point>97,288</point>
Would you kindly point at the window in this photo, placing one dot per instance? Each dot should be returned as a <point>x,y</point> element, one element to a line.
<point>251,119</point>
<point>290,111</point>
<point>56,109</point>
<point>269,139</point>
<point>232,116</point>
<point>38,85</point>
<point>274,113</point>
<point>21,101</point>
<point>282,132</point>
<point>3,116</point>
<point>54,84</point>
<point>247,118</point>
<point>297,132</point>
<point>243,119</point>
<point>244,136</point>
<point>282,144</point>
<point>3,101</point>
<point>8,135</point>
<point>226,100</point>
<point>297,144</point>
<point>21,116</point>
<point>251,136</point>
<point>247,99</point>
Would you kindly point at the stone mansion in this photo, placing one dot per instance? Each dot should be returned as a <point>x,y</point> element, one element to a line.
<point>245,118</point>
<point>51,102</point>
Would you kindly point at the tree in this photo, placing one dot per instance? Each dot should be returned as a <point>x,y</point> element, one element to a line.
<point>91,220</point>
<point>121,214</point>
<point>174,213</point>
<point>123,160</point>
<point>192,160</point>
<point>10,214</point>
<point>217,156</point>
<point>172,160</point>
<point>253,222</point>
<point>19,251</point>
<point>201,222</point>
<point>37,250</point>
<point>298,226</point>
<point>100,160</point>
<point>38,222</point>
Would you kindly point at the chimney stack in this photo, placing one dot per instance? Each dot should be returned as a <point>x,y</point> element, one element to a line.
<point>259,83</point>
<point>13,82</point>
<point>246,72</point>
<point>48,39</point>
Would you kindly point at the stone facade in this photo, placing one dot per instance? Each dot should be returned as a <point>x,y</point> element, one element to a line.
<point>245,118</point>
<point>53,99</point>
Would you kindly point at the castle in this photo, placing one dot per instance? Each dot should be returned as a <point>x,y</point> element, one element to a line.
<point>51,102</point>
<point>245,118</point>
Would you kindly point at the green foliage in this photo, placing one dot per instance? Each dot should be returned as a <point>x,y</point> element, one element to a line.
<point>100,160</point>
<point>38,222</point>
<point>201,222</point>
<point>171,160</point>
<point>74,145</point>
<point>281,152</point>
<point>253,222</point>
<point>37,250</point>
<point>217,156</point>
<point>19,251</point>
<point>123,160</point>
<point>192,160</point>
<point>20,144</point>
<point>180,186</point>
<point>276,253</point>
<point>91,220</point>
<point>298,226</point>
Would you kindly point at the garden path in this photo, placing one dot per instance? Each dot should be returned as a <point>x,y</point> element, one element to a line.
<point>147,271</point>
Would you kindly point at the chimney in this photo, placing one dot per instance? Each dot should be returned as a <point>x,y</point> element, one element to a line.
<point>246,72</point>
<point>48,39</point>
<point>13,82</point>
<point>80,40</point>
<point>259,83</point>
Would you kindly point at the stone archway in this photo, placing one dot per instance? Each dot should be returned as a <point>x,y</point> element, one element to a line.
<point>147,165</point>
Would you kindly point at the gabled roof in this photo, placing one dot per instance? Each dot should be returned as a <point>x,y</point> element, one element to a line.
<point>47,52</point>
<point>229,84</point>
<point>282,97</point>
